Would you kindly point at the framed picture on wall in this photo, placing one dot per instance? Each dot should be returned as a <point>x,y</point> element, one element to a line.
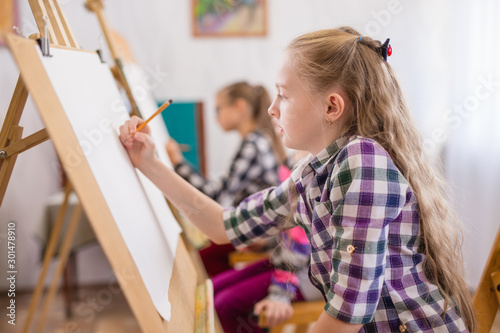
<point>8,17</point>
<point>229,18</point>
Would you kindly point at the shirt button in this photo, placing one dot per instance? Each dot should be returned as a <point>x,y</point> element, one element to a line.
<point>402,328</point>
<point>350,249</point>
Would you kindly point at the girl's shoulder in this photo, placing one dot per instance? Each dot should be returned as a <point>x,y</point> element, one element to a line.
<point>359,145</point>
<point>367,163</point>
<point>258,134</point>
<point>260,140</point>
<point>364,153</point>
<point>253,141</point>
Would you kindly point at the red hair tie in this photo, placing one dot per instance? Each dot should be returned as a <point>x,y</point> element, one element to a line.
<point>386,49</point>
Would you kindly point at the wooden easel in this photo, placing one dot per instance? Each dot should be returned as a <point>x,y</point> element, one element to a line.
<point>487,297</point>
<point>97,7</point>
<point>120,51</point>
<point>12,144</point>
<point>183,279</point>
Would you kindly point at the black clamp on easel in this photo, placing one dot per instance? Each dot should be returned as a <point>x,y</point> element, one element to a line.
<point>43,41</point>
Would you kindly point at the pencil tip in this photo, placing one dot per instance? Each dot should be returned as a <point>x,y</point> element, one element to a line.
<point>170,101</point>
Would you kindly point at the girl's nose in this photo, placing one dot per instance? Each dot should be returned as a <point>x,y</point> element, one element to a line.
<point>273,110</point>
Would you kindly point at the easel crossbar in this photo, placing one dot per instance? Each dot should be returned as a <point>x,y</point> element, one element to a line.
<point>24,144</point>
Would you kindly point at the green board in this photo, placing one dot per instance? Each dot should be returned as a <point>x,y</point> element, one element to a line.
<point>183,126</point>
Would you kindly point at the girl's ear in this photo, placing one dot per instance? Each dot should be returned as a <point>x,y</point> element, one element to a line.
<point>241,105</point>
<point>336,107</point>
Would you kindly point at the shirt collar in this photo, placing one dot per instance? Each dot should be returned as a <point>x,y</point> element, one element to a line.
<point>319,161</point>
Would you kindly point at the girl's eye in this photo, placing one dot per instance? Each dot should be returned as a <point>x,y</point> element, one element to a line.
<point>281,97</point>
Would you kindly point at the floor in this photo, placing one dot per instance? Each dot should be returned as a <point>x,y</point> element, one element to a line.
<point>98,310</point>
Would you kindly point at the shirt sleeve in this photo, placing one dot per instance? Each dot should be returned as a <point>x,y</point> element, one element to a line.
<point>253,168</point>
<point>367,193</point>
<point>211,188</point>
<point>291,256</point>
<point>261,215</point>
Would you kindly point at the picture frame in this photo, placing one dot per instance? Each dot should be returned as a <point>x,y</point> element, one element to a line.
<point>229,18</point>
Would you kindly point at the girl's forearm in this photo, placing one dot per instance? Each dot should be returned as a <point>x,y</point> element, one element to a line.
<point>197,207</point>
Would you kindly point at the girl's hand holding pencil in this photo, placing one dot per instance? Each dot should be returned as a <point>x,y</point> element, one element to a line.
<point>203,211</point>
<point>139,144</point>
<point>135,136</point>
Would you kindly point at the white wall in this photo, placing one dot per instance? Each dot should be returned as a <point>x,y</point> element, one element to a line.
<point>188,68</point>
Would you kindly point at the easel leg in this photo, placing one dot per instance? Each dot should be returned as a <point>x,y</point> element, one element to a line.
<point>68,284</point>
<point>63,256</point>
<point>49,253</point>
<point>15,109</point>
<point>485,299</point>
<point>7,164</point>
<point>11,132</point>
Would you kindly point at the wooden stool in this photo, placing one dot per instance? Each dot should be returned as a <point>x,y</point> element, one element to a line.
<point>240,257</point>
<point>304,313</point>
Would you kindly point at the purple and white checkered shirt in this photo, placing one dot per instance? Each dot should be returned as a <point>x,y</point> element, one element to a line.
<point>362,221</point>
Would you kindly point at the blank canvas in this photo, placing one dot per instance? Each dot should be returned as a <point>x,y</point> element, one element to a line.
<point>95,109</point>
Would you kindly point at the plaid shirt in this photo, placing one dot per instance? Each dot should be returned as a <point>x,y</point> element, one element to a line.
<point>254,168</point>
<point>362,221</point>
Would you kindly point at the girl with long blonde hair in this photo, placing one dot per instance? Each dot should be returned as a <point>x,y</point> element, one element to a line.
<point>383,240</point>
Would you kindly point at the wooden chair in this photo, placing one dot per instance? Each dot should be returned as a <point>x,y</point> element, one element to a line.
<point>304,313</point>
<point>487,297</point>
<point>246,258</point>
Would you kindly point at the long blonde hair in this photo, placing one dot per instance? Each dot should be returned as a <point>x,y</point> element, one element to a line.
<point>258,99</point>
<point>377,109</point>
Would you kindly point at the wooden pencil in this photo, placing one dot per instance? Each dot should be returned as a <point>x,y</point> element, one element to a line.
<point>163,107</point>
<point>141,126</point>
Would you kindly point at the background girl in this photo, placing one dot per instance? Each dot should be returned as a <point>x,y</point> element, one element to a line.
<point>243,108</point>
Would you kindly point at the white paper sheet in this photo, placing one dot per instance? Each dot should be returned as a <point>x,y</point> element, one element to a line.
<point>140,84</point>
<point>95,110</point>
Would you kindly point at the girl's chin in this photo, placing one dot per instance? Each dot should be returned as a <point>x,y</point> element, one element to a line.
<point>287,143</point>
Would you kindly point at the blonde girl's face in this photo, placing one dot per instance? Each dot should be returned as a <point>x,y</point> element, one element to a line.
<point>296,115</point>
<point>227,113</point>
